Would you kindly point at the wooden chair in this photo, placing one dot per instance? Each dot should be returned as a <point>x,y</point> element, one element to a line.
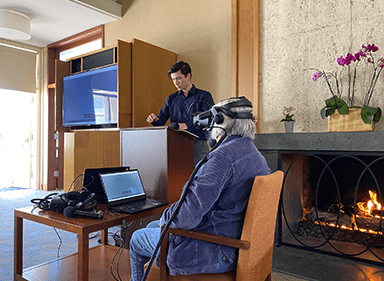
<point>257,238</point>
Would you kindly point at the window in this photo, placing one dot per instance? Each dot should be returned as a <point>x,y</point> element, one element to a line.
<point>80,50</point>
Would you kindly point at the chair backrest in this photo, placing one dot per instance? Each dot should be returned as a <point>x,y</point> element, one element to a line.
<point>255,263</point>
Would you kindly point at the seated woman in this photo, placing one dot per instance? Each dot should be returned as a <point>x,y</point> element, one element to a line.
<point>215,201</point>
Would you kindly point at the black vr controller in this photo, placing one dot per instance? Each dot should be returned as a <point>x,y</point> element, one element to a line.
<point>72,204</point>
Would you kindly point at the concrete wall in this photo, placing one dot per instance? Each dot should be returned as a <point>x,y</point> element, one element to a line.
<point>199,31</point>
<point>299,35</point>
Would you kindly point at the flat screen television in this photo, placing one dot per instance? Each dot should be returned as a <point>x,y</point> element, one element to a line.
<point>90,99</point>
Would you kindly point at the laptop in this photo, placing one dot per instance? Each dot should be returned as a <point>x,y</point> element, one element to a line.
<point>91,181</point>
<point>125,192</point>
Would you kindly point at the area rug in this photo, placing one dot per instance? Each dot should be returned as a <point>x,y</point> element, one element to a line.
<point>41,243</point>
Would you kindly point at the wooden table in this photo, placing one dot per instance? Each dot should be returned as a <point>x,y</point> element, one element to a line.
<point>89,267</point>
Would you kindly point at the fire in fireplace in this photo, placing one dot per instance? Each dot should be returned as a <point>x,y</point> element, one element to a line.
<point>333,203</point>
<point>372,207</point>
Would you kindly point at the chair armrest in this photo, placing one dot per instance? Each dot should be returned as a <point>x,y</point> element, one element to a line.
<point>226,241</point>
<point>208,237</point>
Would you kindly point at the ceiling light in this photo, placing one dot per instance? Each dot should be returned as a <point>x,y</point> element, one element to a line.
<point>14,25</point>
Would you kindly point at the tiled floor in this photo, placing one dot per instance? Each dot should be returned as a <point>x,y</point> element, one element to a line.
<point>314,266</point>
<point>283,276</point>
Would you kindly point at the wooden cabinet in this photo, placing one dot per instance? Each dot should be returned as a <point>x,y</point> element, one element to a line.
<point>143,83</point>
<point>89,149</point>
<point>143,86</point>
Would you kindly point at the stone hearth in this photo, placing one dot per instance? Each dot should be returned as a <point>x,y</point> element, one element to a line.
<point>271,144</point>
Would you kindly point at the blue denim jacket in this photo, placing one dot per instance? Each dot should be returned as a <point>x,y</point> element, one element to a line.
<point>215,203</point>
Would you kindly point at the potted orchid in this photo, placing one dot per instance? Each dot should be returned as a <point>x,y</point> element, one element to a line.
<point>288,118</point>
<point>349,65</point>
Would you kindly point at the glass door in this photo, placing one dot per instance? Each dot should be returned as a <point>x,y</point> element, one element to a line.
<point>18,131</point>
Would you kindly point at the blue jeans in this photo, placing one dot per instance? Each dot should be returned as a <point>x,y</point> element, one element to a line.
<point>143,243</point>
<point>141,247</point>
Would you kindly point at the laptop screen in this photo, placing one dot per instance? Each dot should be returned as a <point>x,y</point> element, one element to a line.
<point>123,185</point>
<point>92,181</point>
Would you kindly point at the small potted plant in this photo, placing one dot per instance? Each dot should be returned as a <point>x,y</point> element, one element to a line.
<point>288,118</point>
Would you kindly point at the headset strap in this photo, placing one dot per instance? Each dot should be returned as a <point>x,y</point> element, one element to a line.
<point>243,115</point>
<point>239,103</point>
<point>231,114</point>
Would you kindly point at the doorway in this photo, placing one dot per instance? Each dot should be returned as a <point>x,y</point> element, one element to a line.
<point>18,131</point>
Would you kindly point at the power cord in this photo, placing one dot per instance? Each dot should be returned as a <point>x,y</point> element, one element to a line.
<point>190,106</point>
<point>124,228</point>
<point>60,242</point>
<point>57,233</point>
<point>75,182</point>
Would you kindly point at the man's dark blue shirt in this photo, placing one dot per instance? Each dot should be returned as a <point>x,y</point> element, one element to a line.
<point>178,108</point>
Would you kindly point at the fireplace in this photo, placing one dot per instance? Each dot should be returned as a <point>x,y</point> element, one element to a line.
<point>331,198</point>
<point>331,201</point>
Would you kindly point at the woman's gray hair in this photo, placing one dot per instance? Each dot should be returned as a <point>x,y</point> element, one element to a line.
<point>242,127</point>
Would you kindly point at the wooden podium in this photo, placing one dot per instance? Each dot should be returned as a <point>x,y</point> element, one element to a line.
<point>164,157</point>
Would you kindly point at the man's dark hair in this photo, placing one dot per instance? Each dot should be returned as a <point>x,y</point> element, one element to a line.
<point>180,65</point>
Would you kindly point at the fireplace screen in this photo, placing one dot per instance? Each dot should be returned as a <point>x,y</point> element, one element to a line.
<point>332,203</point>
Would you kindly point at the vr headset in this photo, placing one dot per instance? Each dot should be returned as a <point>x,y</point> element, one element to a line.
<point>72,204</point>
<point>206,119</point>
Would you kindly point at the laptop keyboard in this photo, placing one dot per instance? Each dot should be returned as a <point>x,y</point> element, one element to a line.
<point>130,207</point>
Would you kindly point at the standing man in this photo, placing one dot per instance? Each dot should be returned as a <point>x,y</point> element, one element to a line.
<point>181,105</point>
